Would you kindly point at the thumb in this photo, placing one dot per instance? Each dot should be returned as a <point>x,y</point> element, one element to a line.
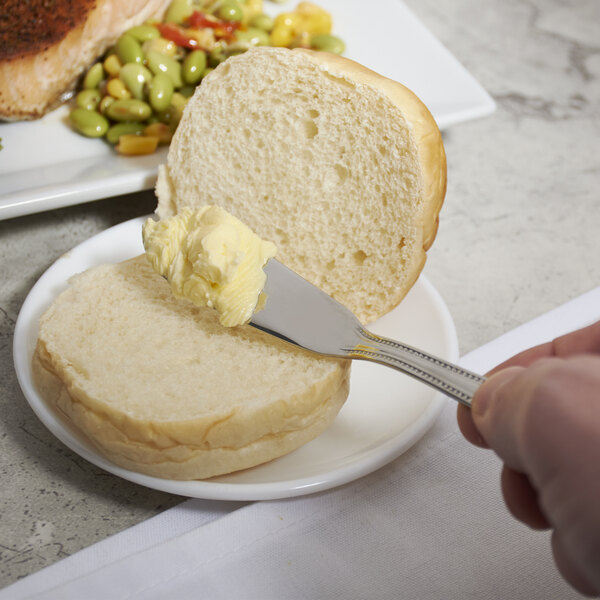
<point>495,412</point>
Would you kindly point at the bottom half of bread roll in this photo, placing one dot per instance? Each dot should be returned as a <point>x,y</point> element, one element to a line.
<point>161,388</point>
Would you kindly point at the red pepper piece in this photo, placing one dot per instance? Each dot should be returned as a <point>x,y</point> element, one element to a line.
<point>176,34</point>
<point>222,28</point>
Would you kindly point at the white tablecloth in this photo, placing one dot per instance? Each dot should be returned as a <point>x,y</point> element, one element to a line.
<point>429,525</point>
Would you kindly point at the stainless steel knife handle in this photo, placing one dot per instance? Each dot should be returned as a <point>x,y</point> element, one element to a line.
<point>448,378</point>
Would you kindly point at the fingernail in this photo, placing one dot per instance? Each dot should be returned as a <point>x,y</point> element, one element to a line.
<point>481,399</point>
<point>484,396</point>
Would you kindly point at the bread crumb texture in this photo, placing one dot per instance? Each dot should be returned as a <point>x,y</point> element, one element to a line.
<point>343,169</point>
<point>160,387</point>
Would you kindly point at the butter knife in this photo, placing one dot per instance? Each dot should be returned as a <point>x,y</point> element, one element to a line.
<point>302,314</point>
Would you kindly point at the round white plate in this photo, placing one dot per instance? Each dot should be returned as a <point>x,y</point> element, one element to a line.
<point>386,411</point>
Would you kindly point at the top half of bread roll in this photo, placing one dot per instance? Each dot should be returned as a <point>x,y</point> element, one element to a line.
<point>342,168</point>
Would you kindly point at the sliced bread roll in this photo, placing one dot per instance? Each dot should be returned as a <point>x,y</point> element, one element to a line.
<point>161,388</point>
<point>342,168</point>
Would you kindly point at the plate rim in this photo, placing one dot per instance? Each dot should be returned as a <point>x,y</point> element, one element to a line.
<point>212,489</point>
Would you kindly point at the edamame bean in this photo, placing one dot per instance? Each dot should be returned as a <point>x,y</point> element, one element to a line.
<point>168,117</point>
<point>327,43</point>
<point>135,77</point>
<point>93,77</point>
<point>216,56</point>
<point>179,11</point>
<point>129,50</point>
<point>129,109</point>
<point>143,33</point>
<point>230,11</point>
<point>251,8</point>
<point>159,63</point>
<point>172,115</point>
<point>179,101</point>
<point>116,131</point>
<point>194,65</point>
<point>253,35</point>
<point>262,21</point>
<point>161,92</point>
<point>161,45</point>
<point>88,99</point>
<point>88,122</point>
<point>105,103</point>
<point>187,90</point>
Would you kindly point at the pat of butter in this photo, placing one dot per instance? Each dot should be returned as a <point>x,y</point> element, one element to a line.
<point>211,258</point>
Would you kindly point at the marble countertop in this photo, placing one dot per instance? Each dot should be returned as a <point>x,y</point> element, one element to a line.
<point>517,238</point>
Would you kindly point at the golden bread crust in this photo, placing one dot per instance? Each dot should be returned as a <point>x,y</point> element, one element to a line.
<point>172,411</point>
<point>427,135</point>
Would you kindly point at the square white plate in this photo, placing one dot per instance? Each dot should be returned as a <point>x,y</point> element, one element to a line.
<point>45,165</point>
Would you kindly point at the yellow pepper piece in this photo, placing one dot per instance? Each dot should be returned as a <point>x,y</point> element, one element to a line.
<point>131,144</point>
<point>313,19</point>
<point>117,89</point>
<point>282,34</point>
<point>308,18</point>
<point>112,65</point>
<point>162,131</point>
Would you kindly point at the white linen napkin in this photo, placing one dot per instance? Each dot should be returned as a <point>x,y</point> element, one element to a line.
<point>429,525</point>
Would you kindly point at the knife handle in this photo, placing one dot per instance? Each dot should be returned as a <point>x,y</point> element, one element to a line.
<point>450,379</point>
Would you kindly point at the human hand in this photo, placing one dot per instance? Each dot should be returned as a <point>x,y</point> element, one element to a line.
<point>540,412</point>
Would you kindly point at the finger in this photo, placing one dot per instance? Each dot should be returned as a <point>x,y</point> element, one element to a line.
<point>467,427</point>
<point>495,410</point>
<point>525,358</point>
<point>569,570</point>
<point>543,419</point>
<point>581,341</point>
<point>522,499</point>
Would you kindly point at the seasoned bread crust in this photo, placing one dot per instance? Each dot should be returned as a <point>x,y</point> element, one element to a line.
<point>46,46</point>
<point>32,27</point>
<point>342,168</point>
<point>161,388</point>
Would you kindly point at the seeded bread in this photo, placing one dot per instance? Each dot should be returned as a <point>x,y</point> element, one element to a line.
<point>161,388</point>
<point>342,168</point>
